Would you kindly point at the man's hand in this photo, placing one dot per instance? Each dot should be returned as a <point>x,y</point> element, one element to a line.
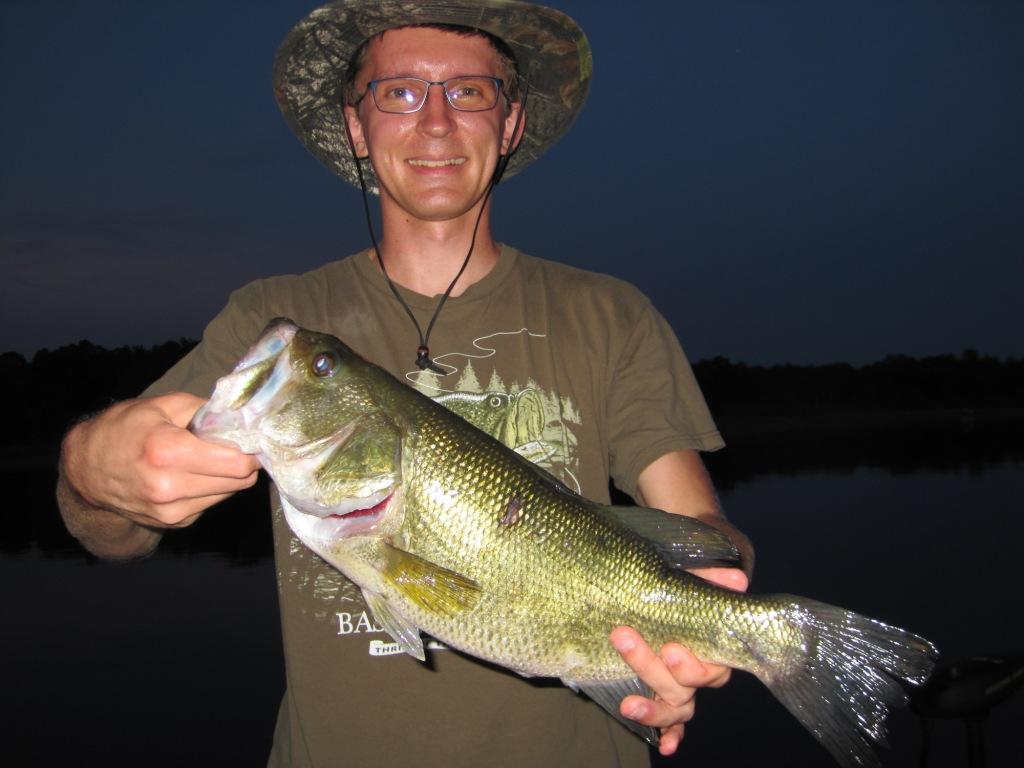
<point>674,674</point>
<point>138,461</point>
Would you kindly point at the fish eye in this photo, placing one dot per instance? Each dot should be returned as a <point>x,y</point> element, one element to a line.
<point>324,364</point>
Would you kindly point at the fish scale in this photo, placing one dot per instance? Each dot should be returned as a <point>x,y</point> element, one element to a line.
<point>463,532</point>
<point>448,532</point>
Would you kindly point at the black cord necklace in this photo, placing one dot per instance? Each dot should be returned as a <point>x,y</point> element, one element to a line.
<point>423,359</point>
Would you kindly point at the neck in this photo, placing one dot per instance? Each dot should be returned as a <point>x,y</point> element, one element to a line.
<point>424,256</point>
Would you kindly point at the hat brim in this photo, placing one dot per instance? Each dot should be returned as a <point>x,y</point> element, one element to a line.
<point>311,69</point>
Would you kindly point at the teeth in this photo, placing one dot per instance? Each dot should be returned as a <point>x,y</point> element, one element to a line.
<point>438,163</point>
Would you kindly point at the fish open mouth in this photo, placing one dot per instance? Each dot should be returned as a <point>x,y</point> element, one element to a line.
<point>354,517</point>
<point>245,395</point>
<point>374,511</point>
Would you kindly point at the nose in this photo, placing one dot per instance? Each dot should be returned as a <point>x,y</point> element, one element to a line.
<point>436,117</point>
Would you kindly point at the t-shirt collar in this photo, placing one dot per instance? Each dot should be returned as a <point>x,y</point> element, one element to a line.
<point>507,257</point>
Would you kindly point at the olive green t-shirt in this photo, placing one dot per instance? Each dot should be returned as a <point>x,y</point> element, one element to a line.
<point>574,370</point>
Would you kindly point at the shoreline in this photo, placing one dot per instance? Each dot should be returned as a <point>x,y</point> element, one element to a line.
<point>742,429</point>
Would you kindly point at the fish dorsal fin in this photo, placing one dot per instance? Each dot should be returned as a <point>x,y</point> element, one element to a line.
<point>684,542</point>
<point>395,624</point>
<point>428,585</point>
<point>610,693</point>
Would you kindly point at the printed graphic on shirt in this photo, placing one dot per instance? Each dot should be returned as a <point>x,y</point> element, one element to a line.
<point>325,594</point>
<point>532,421</point>
<point>535,422</point>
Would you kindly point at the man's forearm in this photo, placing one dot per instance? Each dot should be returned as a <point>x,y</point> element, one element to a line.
<point>678,482</point>
<point>103,532</point>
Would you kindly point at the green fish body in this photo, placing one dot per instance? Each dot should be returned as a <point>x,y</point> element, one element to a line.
<point>448,532</point>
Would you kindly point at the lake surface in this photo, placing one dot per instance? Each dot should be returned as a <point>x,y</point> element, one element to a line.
<point>935,553</point>
<point>177,660</point>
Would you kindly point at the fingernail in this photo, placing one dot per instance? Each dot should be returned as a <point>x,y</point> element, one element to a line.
<point>672,658</point>
<point>634,710</point>
<point>623,643</point>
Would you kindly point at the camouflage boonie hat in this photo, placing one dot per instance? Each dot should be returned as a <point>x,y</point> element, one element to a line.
<point>311,69</point>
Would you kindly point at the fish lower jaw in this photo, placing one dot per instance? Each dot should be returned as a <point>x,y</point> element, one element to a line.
<point>352,517</point>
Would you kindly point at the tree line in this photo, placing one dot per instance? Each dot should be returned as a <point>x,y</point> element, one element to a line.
<point>45,394</point>
<point>902,414</point>
<point>895,383</point>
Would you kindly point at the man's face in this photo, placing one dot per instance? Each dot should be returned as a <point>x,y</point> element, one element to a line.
<point>434,164</point>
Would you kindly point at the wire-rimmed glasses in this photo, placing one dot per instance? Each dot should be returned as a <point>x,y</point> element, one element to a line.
<point>404,95</point>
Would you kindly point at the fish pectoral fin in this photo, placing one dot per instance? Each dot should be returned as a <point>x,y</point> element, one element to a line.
<point>684,542</point>
<point>427,584</point>
<point>610,693</point>
<point>395,624</point>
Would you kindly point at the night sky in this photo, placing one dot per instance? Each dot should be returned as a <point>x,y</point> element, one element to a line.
<point>806,181</point>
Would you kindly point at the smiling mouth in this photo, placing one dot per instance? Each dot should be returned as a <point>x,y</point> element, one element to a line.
<point>437,163</point>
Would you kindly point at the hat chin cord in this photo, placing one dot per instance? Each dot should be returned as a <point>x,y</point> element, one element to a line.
<point>423,359</point>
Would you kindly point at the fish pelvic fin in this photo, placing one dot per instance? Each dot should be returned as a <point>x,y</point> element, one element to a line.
<point>402,631</point>
<point>683,541</point>
<point>610,693</point>
<point>428,585</point>
<point>841,680</point>
<point>424,584</point>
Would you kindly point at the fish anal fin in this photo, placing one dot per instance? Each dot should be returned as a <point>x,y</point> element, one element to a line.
<point>684,542</point>
<point>428,585</point>
<point>395,624</point>
<point>609,695</point>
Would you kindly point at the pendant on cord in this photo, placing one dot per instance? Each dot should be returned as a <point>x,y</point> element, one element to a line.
<point>423,361</point>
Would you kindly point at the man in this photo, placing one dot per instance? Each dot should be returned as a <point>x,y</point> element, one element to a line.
<point>582,375</point>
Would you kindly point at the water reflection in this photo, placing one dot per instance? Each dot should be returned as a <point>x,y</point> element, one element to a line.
<point>897,442</point>
<point>935,552</point>
<point>177,660</point>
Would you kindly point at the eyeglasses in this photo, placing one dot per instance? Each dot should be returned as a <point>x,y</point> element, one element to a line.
<point>404,95</point>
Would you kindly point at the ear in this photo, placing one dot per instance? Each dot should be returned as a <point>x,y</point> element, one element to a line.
<point>354,126</point>
<point>508,141</point>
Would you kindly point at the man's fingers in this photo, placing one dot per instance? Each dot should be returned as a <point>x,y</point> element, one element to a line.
<point>670,739</point>
<point>179,407</point>
<point>648,666</point>
<point>187,454</point>
<point>195,487</point>
<point>667,674</point>
<point>730,578</point>
<point>656,712</point>
<point>688,670</point>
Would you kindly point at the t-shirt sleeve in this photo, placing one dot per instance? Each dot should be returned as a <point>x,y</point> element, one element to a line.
<point>224,341</point>
<point>655,405</point>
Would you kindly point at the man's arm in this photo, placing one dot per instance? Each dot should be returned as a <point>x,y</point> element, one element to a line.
<point>135,469</point>
<point>677,482</point>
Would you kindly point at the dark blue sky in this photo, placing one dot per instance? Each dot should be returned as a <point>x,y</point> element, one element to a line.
<point>803,181</point>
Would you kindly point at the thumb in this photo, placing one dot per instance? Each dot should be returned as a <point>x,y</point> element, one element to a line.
<point>179,407</point>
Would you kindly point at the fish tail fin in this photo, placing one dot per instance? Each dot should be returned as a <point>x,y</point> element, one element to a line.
<point>843,674</point>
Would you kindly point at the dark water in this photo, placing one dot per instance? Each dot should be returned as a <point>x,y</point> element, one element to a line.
<point>177,660</point>
<point>938,553</point>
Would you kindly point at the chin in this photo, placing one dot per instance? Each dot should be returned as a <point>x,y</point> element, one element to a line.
<point>440,207</point>
<point>438,201</point>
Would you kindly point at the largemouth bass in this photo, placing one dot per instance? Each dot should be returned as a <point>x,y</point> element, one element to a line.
<point>448,532</point>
